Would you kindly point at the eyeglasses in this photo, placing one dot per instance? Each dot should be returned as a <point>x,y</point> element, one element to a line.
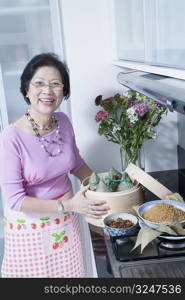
<point>40,85</point>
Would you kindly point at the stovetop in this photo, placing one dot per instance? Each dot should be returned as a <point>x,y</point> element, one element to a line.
<point>159,248</point>
<point>156,261</point>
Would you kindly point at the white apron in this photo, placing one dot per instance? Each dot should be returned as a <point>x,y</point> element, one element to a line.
<point>46,245</point>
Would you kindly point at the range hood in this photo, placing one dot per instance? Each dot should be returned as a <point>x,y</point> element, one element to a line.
<point>163,89</point>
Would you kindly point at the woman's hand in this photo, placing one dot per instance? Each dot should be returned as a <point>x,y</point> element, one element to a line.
<point>91,208</point>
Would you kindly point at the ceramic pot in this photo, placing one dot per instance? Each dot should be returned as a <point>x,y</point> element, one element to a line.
<point>121,231</point>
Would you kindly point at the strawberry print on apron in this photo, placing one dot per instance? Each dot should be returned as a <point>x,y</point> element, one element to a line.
<point>40,245</point>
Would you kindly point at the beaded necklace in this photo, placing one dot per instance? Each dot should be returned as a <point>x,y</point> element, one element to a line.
<point>57,140</point>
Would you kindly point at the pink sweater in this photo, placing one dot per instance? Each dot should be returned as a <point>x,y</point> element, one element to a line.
<point>27,170</point>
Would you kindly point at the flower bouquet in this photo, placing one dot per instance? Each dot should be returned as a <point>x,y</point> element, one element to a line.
<point>128,120</point>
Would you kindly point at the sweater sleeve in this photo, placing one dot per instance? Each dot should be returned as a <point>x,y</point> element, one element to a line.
<point>78,160</point>
<point>11,175</point>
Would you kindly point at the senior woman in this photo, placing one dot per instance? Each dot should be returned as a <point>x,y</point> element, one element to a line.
<point>42,232</point>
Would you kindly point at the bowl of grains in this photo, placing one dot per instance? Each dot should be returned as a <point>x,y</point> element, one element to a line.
<point>121,224</point>
<point>153,213</point>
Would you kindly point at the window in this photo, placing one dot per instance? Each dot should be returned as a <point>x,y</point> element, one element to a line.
<point>151,32</point>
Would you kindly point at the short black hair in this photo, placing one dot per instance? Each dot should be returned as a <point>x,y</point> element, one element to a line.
<point>41,60</point>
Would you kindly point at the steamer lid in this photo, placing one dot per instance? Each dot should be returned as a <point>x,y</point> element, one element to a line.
<point>147,181</point>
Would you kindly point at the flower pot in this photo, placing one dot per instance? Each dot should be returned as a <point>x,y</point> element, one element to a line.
<point>118,202</point>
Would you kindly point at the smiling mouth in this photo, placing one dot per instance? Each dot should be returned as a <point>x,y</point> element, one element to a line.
<point>47,101</point>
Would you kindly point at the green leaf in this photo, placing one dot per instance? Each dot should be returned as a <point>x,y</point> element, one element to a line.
<point>62,233</point>
<point>44,219</point>
<point>56,236</point>
<point>21,221</point>
<point>108,106</point>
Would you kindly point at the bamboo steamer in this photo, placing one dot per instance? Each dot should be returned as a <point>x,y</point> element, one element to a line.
<point>122,201</point>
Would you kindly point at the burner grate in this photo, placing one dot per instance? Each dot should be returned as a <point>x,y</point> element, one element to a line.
<point>171,245</point>
<point>159,248</point>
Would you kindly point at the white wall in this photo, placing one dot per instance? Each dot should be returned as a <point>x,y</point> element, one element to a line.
<point>89,59</point>
<point>89,52</point>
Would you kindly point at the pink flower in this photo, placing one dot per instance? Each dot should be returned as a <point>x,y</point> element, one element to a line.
<point>101,115</point>
<point>141,108</point>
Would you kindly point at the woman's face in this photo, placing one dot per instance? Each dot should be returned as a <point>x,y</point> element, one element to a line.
<point>45,90</point>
